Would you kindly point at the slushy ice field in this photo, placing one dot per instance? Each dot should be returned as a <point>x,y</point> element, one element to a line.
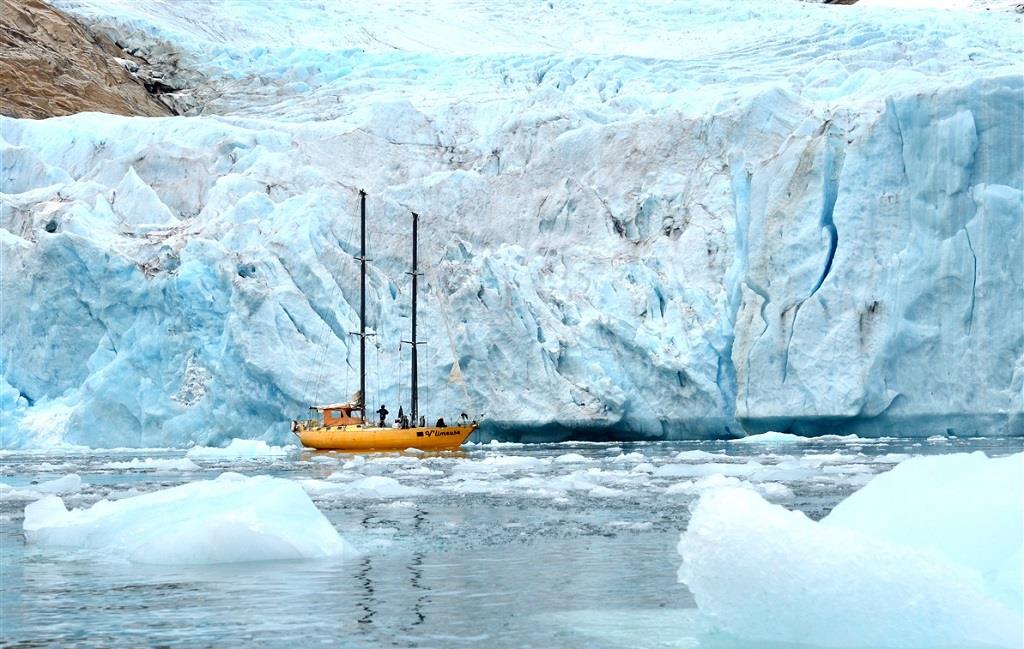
<point>498,545</point>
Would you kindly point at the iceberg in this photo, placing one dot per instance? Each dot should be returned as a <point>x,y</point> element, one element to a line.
<point>227,520</point>
<point>787,226</point>
<point>926,555</point>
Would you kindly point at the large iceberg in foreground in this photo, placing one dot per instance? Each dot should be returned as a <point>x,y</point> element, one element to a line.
<point>231,519</point>
<point>925,555</point>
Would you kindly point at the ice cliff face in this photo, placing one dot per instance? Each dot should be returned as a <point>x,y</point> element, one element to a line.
<point>660,222</point>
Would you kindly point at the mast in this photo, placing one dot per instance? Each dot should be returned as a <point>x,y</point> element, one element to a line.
<point>414,391</point>
<point>362,303</point>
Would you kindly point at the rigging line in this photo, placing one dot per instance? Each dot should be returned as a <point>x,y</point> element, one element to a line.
<point>442,298</point>
<point>320,358</point>
<point>379,390</point>
<point>398,375</point>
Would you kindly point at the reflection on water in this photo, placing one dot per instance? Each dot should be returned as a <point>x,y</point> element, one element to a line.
<point>517,555</point>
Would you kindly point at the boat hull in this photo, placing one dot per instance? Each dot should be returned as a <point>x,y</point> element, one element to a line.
<point>372,438</point>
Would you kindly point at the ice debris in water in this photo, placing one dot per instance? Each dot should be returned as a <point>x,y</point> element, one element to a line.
<point>926,555</point>
<point>570,458</point>
<point>231,519</point>
<point>238,449</point>
<point>775,437</point>
<point>68,484</point>
<point>154,464</point>
<point>719,481</point>
<point>374,486</point>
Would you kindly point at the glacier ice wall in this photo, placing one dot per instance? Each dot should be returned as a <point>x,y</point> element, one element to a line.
<point>818,229</point>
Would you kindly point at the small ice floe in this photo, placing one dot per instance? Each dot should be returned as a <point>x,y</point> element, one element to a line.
<point>356,461</point>
<point>495,444</point>
<point>628,457</point>
<point>154,464</point>
<point>775,437</point>
<point>68,484</point>
<point>374,486</point>
<point>718,481</point>
<point>502,464</point>
<point>231,519</point>
<point>928,554</point>
<point>698,456</point>
<point>244,449</point>
<point>891,458</point>
<point>632,526</point>
<point>605,492</point>
<point>570,458</point>
<point>742,469</point>
<point>771,437</point>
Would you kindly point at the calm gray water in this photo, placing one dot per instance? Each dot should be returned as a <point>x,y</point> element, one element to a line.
<point>501,552</point>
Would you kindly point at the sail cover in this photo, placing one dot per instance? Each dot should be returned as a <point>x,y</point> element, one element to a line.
<point>455,376</point>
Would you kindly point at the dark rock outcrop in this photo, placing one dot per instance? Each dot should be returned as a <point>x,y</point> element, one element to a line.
<point>50,66</point>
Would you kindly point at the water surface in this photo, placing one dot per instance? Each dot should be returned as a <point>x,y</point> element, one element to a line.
<point>510,546</point>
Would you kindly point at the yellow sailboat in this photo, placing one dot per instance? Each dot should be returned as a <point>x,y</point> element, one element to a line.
<point>345,426</point>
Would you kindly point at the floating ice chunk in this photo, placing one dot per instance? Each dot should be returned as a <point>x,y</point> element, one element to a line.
<point>775,437</point>
<point>570,458</point>
<point>382,487</point>
<point>696,470</point>
<point>827,458</point>
<point>474,486</point>
<point>633,526</point>
<point>502,464</point>
<point>496,444</point>
<point>238,449</point>
<point>324,459</point>
<point>849,439</point>
<point>771,437</point>
<point>968,507</point>
<point>356,461</point>
<point>910,563</point>
<point>605,492</point>
<point>363,487</point>
<point>154,464</point>
<point>892,458</point>
<point>719,481</point>
<point>698,456</point>
<point>68,484</point>
<point>230,519</point>
<point>628,457</point>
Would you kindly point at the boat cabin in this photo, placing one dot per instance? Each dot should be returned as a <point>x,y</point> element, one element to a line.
<point>338,414</point>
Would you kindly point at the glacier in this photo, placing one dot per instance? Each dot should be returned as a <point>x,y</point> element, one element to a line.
<point>659,222</point>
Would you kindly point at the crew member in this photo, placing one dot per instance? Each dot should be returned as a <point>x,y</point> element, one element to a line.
<point>383,412</point>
